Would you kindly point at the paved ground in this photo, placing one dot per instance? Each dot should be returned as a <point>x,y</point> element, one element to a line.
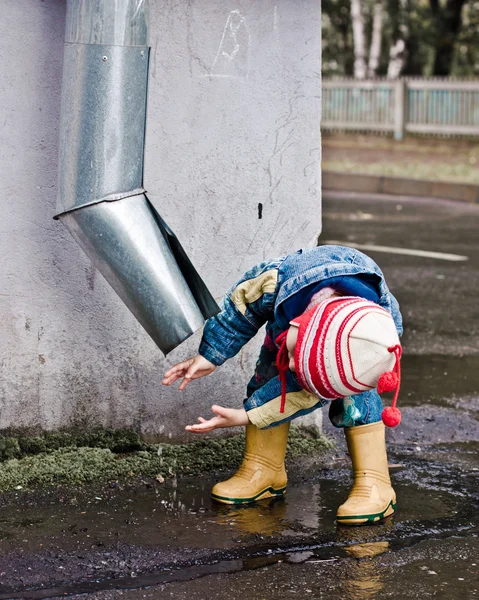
<point>171,541</point>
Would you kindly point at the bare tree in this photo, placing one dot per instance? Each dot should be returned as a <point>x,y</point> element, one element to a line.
<point>375,48</point>
<point>359,39</point>
<point>398,50</point>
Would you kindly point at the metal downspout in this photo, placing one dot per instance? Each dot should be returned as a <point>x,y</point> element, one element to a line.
<point>101,199</point>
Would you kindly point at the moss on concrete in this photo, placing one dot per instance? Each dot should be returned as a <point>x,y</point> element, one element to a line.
<point>121,440</point>
<point>9,448</point>
<point>106,455</point>
<point>22,443</point>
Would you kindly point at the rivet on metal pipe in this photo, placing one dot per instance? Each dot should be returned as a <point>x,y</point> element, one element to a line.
<point>101,198</point>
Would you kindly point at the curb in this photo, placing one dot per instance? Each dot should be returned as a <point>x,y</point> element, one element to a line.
<point>378,184</point>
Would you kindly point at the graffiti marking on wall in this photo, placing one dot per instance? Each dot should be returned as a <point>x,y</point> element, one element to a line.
<point>233,56</point>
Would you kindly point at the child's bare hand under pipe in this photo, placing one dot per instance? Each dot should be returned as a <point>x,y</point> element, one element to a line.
<point>192,368</point>
<point>225,417</point>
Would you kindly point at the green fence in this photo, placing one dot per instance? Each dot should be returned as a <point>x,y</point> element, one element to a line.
<point>430,106</point>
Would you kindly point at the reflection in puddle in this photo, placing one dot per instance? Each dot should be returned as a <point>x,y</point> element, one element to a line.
<point>368,550</point>
<point>365,579</point>
<point>299,511</point>
<point>360,537</point>
<point>266,517</point>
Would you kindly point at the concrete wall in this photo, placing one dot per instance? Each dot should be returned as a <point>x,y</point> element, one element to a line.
<point>233,121</point>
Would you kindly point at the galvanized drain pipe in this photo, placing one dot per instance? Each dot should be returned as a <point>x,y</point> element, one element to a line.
<point>101,198</point>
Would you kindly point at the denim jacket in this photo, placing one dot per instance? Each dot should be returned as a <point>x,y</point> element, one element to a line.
<point>255,300</point>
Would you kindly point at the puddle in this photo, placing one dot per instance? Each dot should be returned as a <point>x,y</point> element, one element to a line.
<point>433,502</point>
<point>186,516</point>
<point>183,515</point>
<point>441,380</point>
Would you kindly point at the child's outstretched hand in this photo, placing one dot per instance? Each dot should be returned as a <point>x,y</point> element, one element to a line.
<point>190,369</point>
<point>225,417</point>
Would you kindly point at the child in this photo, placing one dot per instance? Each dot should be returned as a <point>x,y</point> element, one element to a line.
<point>330,319</point>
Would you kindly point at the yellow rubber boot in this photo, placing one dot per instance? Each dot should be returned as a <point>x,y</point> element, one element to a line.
<point>262,473</point>
<point>371,498</point>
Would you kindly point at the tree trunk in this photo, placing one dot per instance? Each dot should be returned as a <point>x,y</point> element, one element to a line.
<point>359,39</point>
<point>414,64</point>
<point>347,51</point>
<point>397,57</point>
<point>448,24</point>
<point>375,48</point>
<point>398,50</point>
<point>414,59</point>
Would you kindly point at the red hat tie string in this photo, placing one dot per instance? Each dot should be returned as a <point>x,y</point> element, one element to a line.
<point>389,382</point>
<point>282,364</point>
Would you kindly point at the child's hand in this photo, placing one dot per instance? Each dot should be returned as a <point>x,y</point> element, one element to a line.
<point>190,369</point>
<point>225,417</point>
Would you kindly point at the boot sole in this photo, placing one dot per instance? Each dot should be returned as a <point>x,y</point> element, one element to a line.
<point>365,519</point>
<point>266,493</point>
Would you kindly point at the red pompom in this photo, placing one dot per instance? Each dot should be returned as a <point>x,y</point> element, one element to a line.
<point>387,382</point>
<point>391,416</point>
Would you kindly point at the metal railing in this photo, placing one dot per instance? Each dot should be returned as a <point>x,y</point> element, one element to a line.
<point>431,106</point>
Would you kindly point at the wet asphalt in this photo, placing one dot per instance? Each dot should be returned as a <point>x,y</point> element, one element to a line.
<point>171,541</point>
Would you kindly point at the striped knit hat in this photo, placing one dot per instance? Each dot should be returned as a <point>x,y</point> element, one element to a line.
<point>346,346</point>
